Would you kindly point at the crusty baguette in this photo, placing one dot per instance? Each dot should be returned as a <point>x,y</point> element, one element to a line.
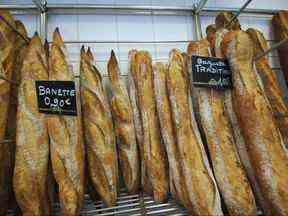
<point>145,182</point>
<point>99,132</point>
<point>20,46</point>
<point>203,194</point>
<point>66,144</point>
<point>177,185</point>
<point>270,83</point>
<point>32,141</point>
<point>20,49</point>
<point>264,143</point>
<point>238,134</point>
<point>124,126</point>
<point>7,40</point>
<point>280,27</point>
<point>155,158</point>
<point>228,170</point>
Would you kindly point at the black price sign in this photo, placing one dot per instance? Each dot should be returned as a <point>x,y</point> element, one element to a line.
<point>56,97</point>
<point>211,72</point>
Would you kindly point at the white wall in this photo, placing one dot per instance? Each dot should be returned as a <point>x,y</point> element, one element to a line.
<point>143,28</point>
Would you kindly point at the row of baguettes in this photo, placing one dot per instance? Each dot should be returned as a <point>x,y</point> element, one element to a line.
<point>252,108</point>
<point>157,137</point>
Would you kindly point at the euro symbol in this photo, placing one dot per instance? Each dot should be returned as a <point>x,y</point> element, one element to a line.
<point>68,102</point>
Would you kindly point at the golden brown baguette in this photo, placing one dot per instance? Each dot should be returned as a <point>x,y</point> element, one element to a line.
<point>270,83</point>
<point>20,46</point>
<point>66,144</point>
<point>203,194</point>
<point>124,126</point>
<point>264,143</point>
<point>177,185</point>
<point>32,141</point>
<point>280,27</point>
<point>99,132</point>
<point>20,49</point>
<point>145,182</point>
<point>155,158</point>
<point>237,131</point>
<point>228,170</point>
<point>7,40</point>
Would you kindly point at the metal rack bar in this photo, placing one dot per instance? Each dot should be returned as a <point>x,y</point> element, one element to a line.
<point>42,6</point>
<point>200,6</point>
<point>117,9</point>
<point>18,6</point>
<point>275,46</point>
<point>121,42</point>
<point>239,12</point>
<point>250,11</point>
<point>39,4</point>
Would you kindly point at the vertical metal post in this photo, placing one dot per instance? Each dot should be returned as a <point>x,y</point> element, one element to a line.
<point>197,23</point>
<point>197,27</point>
<point>43,26</point>
<point>41,5</point>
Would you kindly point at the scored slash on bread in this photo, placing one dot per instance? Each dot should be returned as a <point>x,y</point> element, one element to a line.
<point>124,126</point>
<point>98,131</point>
<point>32,141</point>
<point>66,139</point>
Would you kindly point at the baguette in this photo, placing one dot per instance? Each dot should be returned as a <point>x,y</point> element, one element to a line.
<point>229,172</point>
<point>177,186</point>
<point>32,141</point>
<point>125,132</point>
<point>270,83</point>
<point>264,143</point>
<point>20,46</point>
<point>202,191</point>
<point>99,132</point>
<point>280,27</point>
<point>154,153</point>
<point>66,144</point>
<point>7,51</point>
<point>222,29</point>
<point>145,182</point>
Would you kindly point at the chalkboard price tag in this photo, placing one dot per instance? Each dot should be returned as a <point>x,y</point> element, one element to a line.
<point>56,97</point>
<point>211,72</point>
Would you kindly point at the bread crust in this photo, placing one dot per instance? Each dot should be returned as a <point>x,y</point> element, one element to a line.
<point>280,27</point>
<point>66,138</point>
<point>270,83</point>
<point>124,126</point>
<point>32,140</point>
<point>228,170</point>
<point>155,158</point>
<point>189,144</point>
<point>263,140</point>
<point>7,57</point>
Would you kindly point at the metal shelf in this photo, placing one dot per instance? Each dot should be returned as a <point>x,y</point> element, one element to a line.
<point>127,205</point>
